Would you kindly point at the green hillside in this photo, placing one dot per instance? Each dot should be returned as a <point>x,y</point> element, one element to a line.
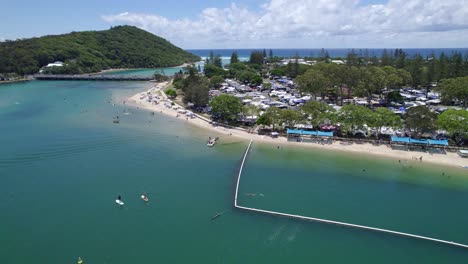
<point>92,51</point>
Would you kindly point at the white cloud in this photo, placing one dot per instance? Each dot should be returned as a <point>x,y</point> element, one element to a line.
<point>314,23</point>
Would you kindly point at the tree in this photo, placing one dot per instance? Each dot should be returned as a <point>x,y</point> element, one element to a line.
<point>256,57</point>
<point>395,96</point>
<point>384,117</point>
<point>234,57</point>
<point>335,74</point>
<point>195,88</point>
<point>443,66</point>
<point>355,117</point>
<point>256,79</point>
<point>416,68</point>
<point>318,111</point>
<point>265,120</point>
<point>160,77</point>
<point>312,81</point>
<point>218,61</point>
<point>171,93</point>
<point>352,58</point>
<point>216,81</point>
<point>454,89</point>
<point>226,107</point>
<point>251,110</point>
<point>400,57</point>
<point>372,80</point>
<point>432,70</point>
<point>350,78</point>
<point>455,122</point>
<point>245,76</point>
<point>278,71</point>
<point>386,59</point>
<point>210,59</point>
<point>290,117</point>
<point>274,115</point>
<point>324,56</point>
<point>420,119</point>
<point>213,70</point>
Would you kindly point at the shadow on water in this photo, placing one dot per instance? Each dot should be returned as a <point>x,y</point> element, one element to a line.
<point>63,150</point>
<point>35,109</point>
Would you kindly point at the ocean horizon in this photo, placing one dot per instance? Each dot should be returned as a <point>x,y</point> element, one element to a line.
<point>245,53</point>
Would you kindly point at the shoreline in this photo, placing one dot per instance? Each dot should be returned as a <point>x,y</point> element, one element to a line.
<point>16,81</point>
<point>448,159</point>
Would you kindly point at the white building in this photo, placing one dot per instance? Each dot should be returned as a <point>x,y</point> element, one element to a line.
<point>55,64</point>
<point>338,61</point>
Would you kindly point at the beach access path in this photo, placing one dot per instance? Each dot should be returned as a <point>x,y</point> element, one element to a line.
<point>449,159</point>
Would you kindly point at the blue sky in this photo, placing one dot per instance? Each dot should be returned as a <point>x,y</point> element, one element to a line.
<point>253,23</point>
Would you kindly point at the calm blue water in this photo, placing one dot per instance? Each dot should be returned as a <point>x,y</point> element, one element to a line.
<point>146,71</point>
<point>63,162</point>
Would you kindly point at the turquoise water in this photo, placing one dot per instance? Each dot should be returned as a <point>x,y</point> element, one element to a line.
<point>146,71</point>
<point>63,162</point>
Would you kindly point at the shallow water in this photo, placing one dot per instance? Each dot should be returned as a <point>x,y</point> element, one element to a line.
<point>63,162</point>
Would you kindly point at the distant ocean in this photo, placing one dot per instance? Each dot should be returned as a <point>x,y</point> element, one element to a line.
<point>245,53</point>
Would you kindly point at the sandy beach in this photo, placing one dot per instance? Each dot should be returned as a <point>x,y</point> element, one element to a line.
<point>163,106</point>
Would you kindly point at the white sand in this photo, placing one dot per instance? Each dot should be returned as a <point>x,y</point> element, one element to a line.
<point>449,158</point>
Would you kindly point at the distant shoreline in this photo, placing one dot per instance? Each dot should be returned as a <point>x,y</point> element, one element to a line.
<point>15,81</point>
<point>399,156</point>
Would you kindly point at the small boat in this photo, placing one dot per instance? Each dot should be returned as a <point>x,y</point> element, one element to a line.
<point>212,141</point>
<point>116,120</point>
<point>80,261</point>
<point>217,215</point>
<point>144,198</point>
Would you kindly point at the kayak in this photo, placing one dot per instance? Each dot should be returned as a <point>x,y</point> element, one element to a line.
<point>144,198</point>
<point>119,202</point>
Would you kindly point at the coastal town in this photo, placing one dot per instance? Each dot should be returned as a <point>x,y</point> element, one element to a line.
<point>410,120</point>
<point>234,132</point>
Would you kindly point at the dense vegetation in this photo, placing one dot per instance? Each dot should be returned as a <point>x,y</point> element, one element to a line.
<point>379,80</point>
<point>92,51</point>
<point>245,72</point>
<point>194,86</point>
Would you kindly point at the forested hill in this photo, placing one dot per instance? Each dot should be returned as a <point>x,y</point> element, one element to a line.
<point>92,51</point>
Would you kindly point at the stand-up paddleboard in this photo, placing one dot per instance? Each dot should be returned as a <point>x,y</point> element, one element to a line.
<point>119,202</point>
<point>144,198</point>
